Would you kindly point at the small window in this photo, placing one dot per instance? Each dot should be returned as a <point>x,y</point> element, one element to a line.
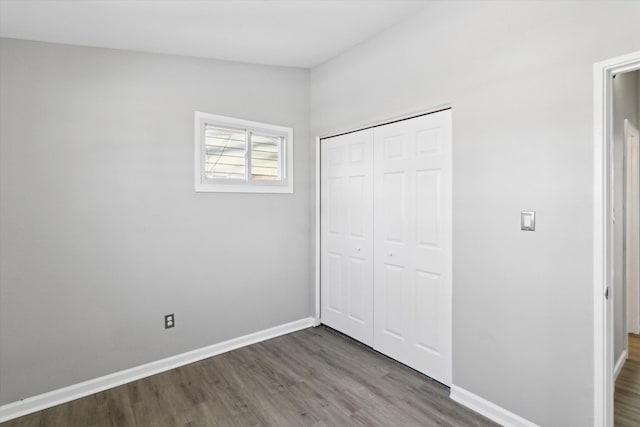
<point>234,155</point>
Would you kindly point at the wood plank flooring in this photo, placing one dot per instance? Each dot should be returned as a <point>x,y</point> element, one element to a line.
<point>315,377</point>
<point>627,397</point>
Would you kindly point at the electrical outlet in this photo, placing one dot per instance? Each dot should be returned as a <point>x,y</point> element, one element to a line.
<point>169,321</point>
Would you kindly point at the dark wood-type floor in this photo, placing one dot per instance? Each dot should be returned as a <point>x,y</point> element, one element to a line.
<point>315,377</point>
<point>627,397</point>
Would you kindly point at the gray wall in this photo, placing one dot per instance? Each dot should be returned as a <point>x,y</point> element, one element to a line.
<point>101,230</point>
<point>625,106</point>
<point>520,78</point>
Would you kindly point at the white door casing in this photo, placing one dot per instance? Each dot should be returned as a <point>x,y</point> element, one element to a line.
<point>603,382</point>
<point>632,226</point>
<point>413,242</point>
<point>346,263</point>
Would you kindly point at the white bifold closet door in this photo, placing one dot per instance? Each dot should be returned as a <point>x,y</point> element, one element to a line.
<point>386,240</point>
<point>412,243</point>
<point>347,234</point>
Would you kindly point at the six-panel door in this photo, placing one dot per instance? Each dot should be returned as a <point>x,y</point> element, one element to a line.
<point>412,243</point>
<point>347,234</point>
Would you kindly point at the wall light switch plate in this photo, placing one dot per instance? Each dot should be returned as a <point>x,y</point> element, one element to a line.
<point>528,220</point>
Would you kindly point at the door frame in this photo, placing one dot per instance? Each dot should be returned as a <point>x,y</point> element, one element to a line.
<point>603,384</point>
<point>317,235</point>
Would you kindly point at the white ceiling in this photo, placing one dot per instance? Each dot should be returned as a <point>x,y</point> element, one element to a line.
<point>298,33</point>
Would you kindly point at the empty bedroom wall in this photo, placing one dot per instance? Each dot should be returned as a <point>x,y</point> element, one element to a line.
<point>519,76</point>
<point>101,231</point>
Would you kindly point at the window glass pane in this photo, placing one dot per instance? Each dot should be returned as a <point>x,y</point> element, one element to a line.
<point>225,151</point>
<point>265,157</point>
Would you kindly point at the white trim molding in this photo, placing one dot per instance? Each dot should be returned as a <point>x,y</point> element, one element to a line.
<point>603,379</point>
<point>488,409</point>
<point>388,120</point>
<point>619,364</point>
<point>86,388</point>
<point>317,233</point>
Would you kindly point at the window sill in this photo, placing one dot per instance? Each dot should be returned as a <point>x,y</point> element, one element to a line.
<point>243,188</point>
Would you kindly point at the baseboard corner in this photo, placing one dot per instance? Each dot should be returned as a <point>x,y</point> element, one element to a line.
<point>489,409</point>
<point>619,364</point>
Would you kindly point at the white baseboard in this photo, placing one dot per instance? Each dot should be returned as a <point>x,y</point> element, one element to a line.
<point>488,409</point>
<point>86,388</point>
<point>619,364</point>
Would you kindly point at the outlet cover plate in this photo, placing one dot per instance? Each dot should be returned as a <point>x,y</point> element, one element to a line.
<point>169,321</point>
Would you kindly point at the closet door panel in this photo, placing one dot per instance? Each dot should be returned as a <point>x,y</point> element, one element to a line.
<point>392,264</point>
<point>412,214</point>
<point>333,290</point>
<point>427,299</point>
<point>357,289</point>
<point>433,252</point>
<point>346,271</point>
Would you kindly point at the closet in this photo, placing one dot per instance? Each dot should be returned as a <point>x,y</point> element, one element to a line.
<point>385,227</point>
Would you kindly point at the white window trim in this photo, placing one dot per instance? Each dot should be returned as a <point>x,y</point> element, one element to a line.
<point>232,186</point>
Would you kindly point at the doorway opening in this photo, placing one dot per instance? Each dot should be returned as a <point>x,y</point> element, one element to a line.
<point>626,245</point>
<point>615,262</point>
<point>631,138</point>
